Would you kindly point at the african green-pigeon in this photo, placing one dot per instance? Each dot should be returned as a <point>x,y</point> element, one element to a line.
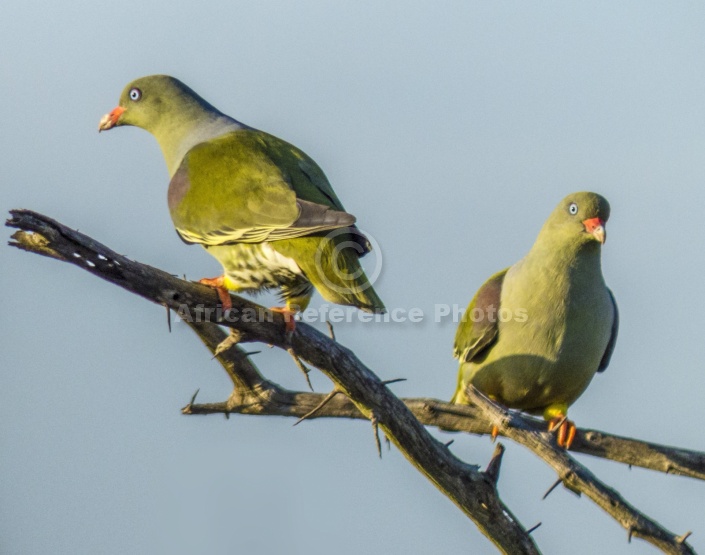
<point>259,205</point>
<point>534,335</point>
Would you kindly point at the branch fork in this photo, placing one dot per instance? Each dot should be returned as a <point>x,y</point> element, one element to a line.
<point>364,395</point>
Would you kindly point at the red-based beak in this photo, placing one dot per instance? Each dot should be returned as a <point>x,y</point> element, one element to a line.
<point>108,121</point>
<point>596,228</point>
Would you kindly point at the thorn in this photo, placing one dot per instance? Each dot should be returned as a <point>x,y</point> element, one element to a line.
<point>375,427</point>
<point>193,399</point>
<point>681,539</point>
<point>494,433</point>
<point>449,443</point>
<point>554,486</point>
<point>318,407</point>
<point>331,331</point>
<point>533,528</point>
<point>301,366</point>
<point>395,380</point>
<point>630,532</point>
<point>189,405</point>
<point>389,443</point>
<point>492,470</point>
<point>168,317</point>
<point>227,415</point>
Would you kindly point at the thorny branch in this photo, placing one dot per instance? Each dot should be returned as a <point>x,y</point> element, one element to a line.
<point>363,395</point>
<point>518,427</point>
<point>464,484</point>
<point>578,478</point>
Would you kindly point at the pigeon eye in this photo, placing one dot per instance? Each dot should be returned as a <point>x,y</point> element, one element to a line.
<point>573,209</point>
<point>135,94</point>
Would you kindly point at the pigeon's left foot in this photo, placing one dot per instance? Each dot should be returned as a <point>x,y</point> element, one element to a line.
<point>565,430</point>
<point>218,283</point>
<point>289,320</point>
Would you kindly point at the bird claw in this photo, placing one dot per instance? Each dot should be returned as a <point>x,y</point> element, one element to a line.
<point>289,321</point>
<point>565,431</point>
<point>218,283</point>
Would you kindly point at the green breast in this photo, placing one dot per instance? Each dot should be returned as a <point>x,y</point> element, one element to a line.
<point>553,330</point>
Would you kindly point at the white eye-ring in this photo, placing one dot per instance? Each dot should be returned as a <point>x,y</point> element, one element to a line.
<point>135,94</point>
<point>573,208</point>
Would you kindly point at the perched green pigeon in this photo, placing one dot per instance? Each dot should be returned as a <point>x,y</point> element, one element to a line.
<point>259,205</point>
<point>534,335</point>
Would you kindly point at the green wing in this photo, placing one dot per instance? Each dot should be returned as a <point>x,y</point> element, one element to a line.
<point>478,329</point>
<point>613,338</point>
<point>249,187</point>
<point>307,179</point>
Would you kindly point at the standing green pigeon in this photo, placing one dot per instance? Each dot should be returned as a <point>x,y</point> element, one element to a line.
<point>534,335</point>
<point>259,205</point>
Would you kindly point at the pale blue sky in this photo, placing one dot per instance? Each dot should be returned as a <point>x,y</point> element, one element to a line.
<point>450,130</point>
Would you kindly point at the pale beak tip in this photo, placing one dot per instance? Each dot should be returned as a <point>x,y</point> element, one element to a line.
<point>110,120</point>
<point>105,123</point>
<point>600,234</point>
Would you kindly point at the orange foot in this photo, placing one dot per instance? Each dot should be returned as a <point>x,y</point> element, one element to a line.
<point>218,283</point>
<point>495,432</point>
<point>565,430</point>
<point>288,318</point>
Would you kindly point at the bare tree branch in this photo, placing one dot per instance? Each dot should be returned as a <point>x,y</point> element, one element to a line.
<point>518,427</point>
<point>457,418</point>
<point>470,489</point>
<point>578,478</point>
<point>365,396</point>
